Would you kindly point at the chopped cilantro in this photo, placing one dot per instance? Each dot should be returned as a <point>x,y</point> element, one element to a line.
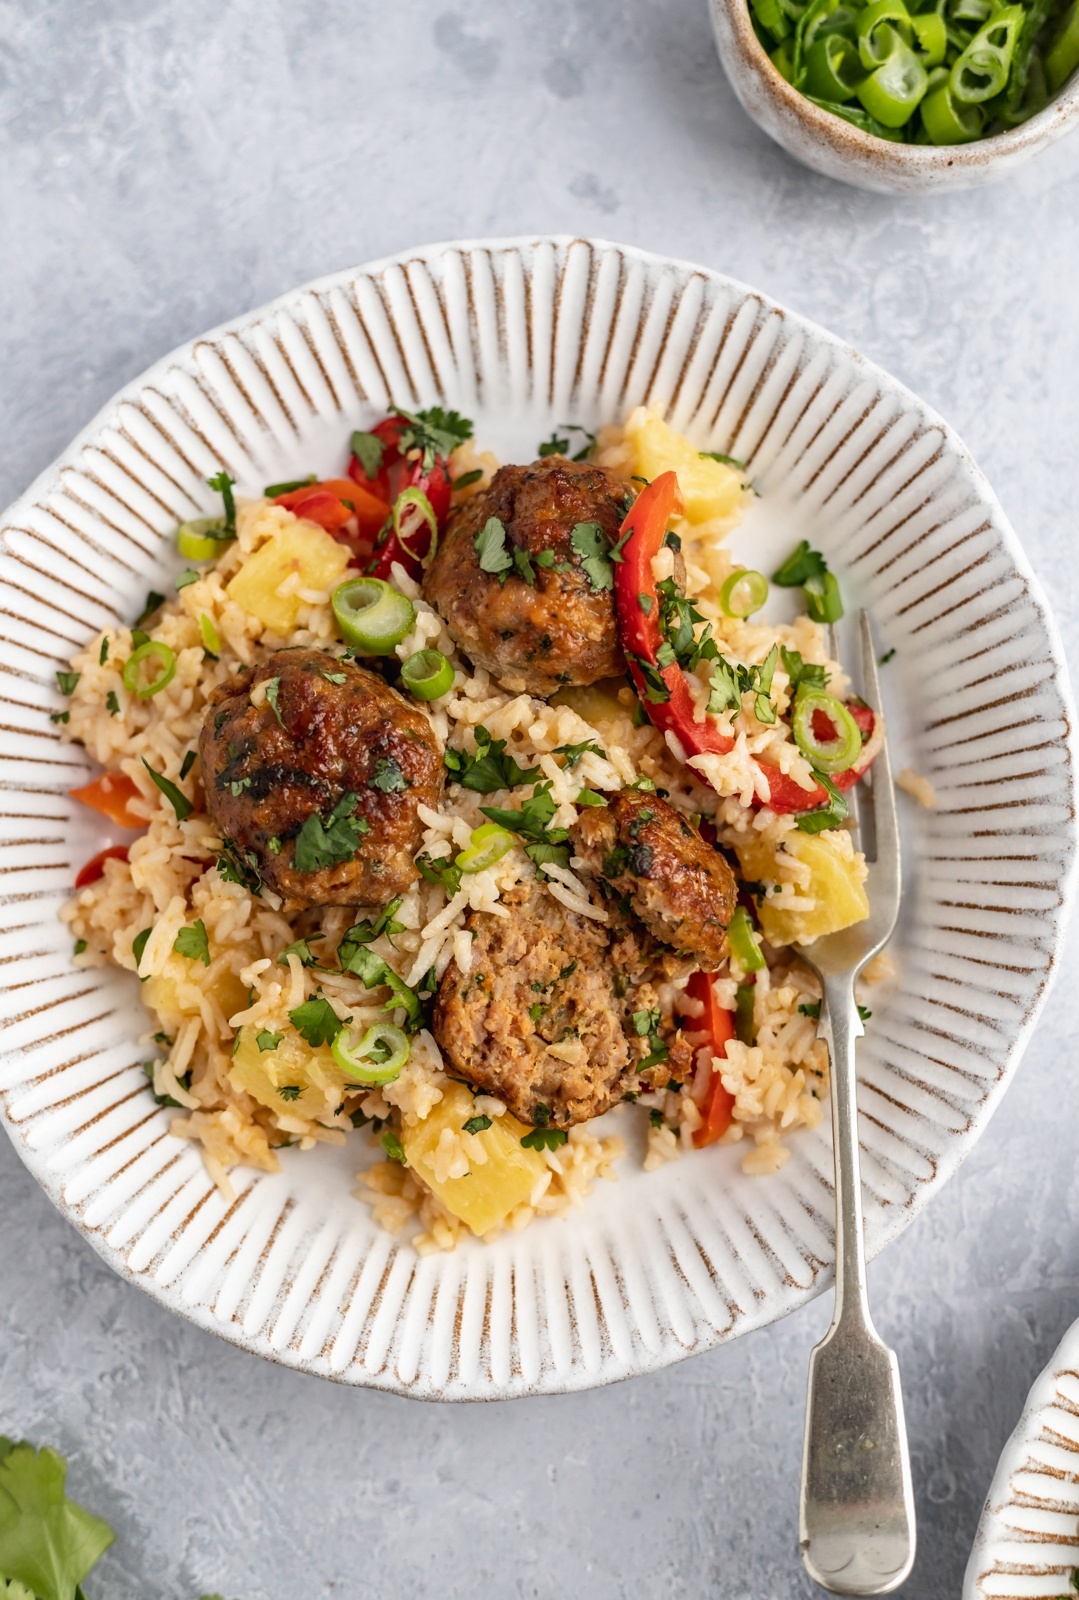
<point>434,432</point>
<point>188,762</point>
<point>179,802</point>
<point>467,479</point>
<point>103,653</point>
<point>48,1543</point>
<point>439,869</point>
<point>522,562</point>
<point>574,752</point>
<point>335,677</point>
<point>804,563</point>
<point>153,600</point>
<point>112,704</point>
<point>724,461</point>
<point>476,1125</point>
<point>658,1054</point>
<point>532,822</point>
<point>80,946</point>
<point>326,844</point>
<point>193,943</point>
<point>489,769</point>
<point>59,716</point>
<point>490,543</point>
<point>368,449</point>
<point>273,686</point>
<point>567,972</point>
<point>67,681</point>
<point>373,972</point>
<point>829,815</point>
<point>367,932</point>
<point>289,1091</point>
<point>223,484</point>
<point>234,866</point>
<point>730,680</point>
<point>645,1022</point>
<point>302,949</point>
<point>556,445</point>
<point>656,1118</point>
<point>536,1011</point>
<point>802,674</point>
<point>393,1147</point>
<point>544,1139</point>
<point>138,945</point>
<point>544,558</point>
<point>589,797</point>
<point>596,553</point>
<point>267,1040</point>
<point>809,568</point>
<point>886,657</point>
<point>388,776</point>
<point>189,575</point>
<point>317,1021</point>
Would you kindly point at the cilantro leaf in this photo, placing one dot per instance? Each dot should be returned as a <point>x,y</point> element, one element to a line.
<point>591,544</point>
<point>467,479</point>
<point>47,1542</point>
<point>490,543</point>
<point>803,563</point>
<point>334,677</point>
<point>301,948</point>
<point>544,1139</point>
<point>489,769</point>
<point>289,1091</point>
<point>366,932</point>
<point>326,844</point>
<point>138,945</point>
<point>724,461</point>
<point>434,432</point>
<point>193,943</point>
<point>802,674</point>
<point>103,653</point>
<point>187,763</point>
<point>574,752</point>
<point>558,446</point>
<point>189,575</point>
<point>112,704</point>
<point>236,866</point>
<point>388,776</point>
<point>273,686</point>
<point>522,562</point>
<point>267,1040</point>
<point>223,484</point>
<point>148,1068</point>
<point>317,1021</point>
<point>546,846</point>
<point>476,1125</point>
<point>829,815</point>
<point>67,681</point>
<point>394,1148</point>
<point>439,869</point>
<point>372,971</point>
<point>153,600</point>
<point>179,801</point>
<point>368,449</point>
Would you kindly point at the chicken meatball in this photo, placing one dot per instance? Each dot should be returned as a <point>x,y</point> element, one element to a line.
<point>644,852</point>
<point>313,769</point>
<point>542,623</point>
<point>545,1017</point>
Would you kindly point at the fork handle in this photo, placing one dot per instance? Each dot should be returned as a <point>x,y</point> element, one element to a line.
<point>840,1025</point>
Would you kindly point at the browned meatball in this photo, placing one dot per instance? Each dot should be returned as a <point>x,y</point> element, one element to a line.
<point>548,626</point>
<point>682,890</point>
<point>544,1020</point>
<point>315,766</point>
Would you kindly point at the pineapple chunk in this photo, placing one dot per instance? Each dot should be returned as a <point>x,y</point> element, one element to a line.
<point>597,703</point>
<point>176,998</point>
<point>485,1197</point>
<point>293,1064</point>
<point>299,547</point>
<point>709,489</point>
<point>836,888</point>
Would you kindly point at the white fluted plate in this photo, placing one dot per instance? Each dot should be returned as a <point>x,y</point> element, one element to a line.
<point>1027,1545</point>
<point>524,335</point>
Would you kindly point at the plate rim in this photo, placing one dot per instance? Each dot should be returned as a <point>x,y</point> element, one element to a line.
<point>898,1217</point>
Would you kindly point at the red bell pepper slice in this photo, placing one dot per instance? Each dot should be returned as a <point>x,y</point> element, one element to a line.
<point>111,794</point>
<point>634,582</point>
<point>435,484</point>
<point>344,508</point>
<point>95,867</point>
<point>719,1025</point>
<point>786,795</point>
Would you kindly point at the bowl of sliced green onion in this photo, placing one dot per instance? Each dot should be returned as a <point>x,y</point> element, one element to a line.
<point>905,95</point>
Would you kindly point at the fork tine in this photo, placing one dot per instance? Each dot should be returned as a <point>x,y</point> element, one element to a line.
<point>886,857</point>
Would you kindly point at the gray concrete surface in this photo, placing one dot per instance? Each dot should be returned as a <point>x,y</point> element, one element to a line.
<point>168,164</point>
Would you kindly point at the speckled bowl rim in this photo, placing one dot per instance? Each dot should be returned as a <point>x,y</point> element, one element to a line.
<point>882,1227</point>
<point>1051,123</point>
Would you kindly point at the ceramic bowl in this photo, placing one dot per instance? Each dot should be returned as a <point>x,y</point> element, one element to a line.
<point>1027,1544</point>
<point>829,145</point>
<point>523,336</point>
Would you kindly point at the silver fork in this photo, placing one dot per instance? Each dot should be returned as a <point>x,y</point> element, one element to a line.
<point>856,1514</point>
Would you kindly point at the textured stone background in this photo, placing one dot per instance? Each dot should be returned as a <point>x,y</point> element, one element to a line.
<point>169,164</point>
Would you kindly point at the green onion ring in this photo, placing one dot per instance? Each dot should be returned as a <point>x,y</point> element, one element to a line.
<point>427,675</point>
<point>196,541</point>
<point>406,522</point>
<point>823,599</point>
<point>743,593</point>
<point>487,845</point>
<point>744,943</point>
<point>837,754</point>
<point>378,1057</point>
<point>372,615</point>
<point>211,639</point>
<point>153,650</point>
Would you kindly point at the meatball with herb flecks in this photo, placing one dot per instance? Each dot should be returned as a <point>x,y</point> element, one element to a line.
<point>642,850</point>
<point>314,768</point>
<point>523,576</point>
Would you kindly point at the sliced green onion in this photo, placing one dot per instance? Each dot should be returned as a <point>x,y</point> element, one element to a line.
<point>833,68</point>
<point>826,753</point>
<point>982,70</point>
<point>745,1025</point>
<point>152,653</point>
<point>745,946</point>
<point>427,675</point>
<point>210,637</point>
<point>823,600</point>
<point>891,94</point>
<point>372,615</point>
<point>743,593</point>
<point>487,845</point>
<point>202,539</point>
<point>946,121</point>
<point>932,37</point>
<point>878,26</point>
<point>410,510</point>
<point>377,1058</point>
<point>1062,57</point>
